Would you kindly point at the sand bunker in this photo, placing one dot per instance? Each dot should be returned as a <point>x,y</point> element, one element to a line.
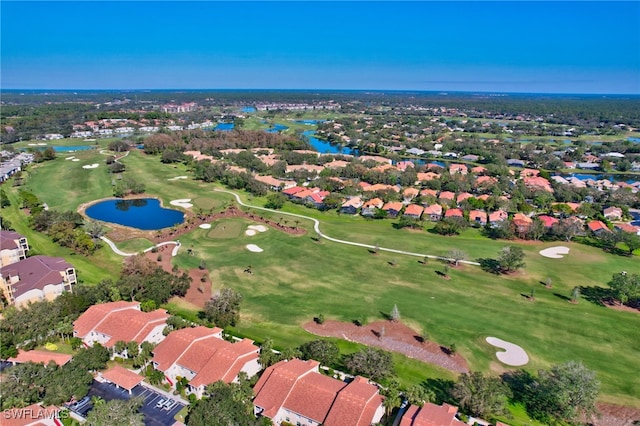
<point>42,143</point>
<point>250,232</point>
<point>75,159</point>
<point>254,248</point>
<point>178,177</point>
<point>32,144</point>
<point>555,252</point>
<point>513,355</point>
<point>205,226</point>
<point>182,202</point>
<point>259,228</point>
<point>70,158</point>
<point>90,166</point>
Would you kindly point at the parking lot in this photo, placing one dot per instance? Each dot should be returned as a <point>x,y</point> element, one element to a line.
<point>153,415</point>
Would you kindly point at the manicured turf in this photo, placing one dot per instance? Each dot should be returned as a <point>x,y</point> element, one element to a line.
<point>134,245</point>
<point>224,229</point>
<point>297,278</point>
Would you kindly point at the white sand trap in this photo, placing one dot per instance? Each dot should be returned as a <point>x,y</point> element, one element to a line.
<point>250,232</point>
<point>205,225</point>
<point>75,159</point>
<point>42,143</point>
<point>259,228</point>
<point>513,355</point>
<point>254,248</point>
<point>182,202</point>
<point>91,166</point>
<point>70,158</point>
<point>555,252</point>
<point>178,177</point>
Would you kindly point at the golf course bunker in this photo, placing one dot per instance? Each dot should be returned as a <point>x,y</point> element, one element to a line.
<point>182,202</point>
<point>178,177</point>
<point>259,228</point>
<point>70,158</point>
<point>513,355</point>
<point>205,225</point>
<point>250,232</point>
<point>254,248</point>
<point>557,252</point>
<point>75,159</point>
<point>90,166</point>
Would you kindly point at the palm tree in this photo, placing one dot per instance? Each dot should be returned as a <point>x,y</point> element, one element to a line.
<point>97,400</point>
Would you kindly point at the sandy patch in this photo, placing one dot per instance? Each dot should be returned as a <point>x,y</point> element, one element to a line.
<point>75,159</point>
<point>32,144</point>
<point>513,355</point>
<point>259,228</point>
<point>182,202</point>
<point>250,232</point>
<point>254,248</point>
<point>178,177</point>
<point>70,158</point>
<point>42,143</point>
<point>90,166</point>
<point>555,252</point>
<point>205,225</point>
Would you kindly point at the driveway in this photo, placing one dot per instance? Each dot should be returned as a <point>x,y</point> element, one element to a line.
<point>152,415</point>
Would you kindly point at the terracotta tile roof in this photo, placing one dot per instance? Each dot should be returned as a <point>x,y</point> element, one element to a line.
<point>458,168</point>
<point>433,209</point>
<point>424,177</point>
<point>337,164</point>
<point>376,158</point>
<point>40,357</point>
<point>478,170</point>
<point>627,227</point>
<point>403,165</point>
<point>538,182</point>
<point>381,187</point>
<point>429,192</point>
<point>485,180</point>
<point>453,213</point>
<point>225,363</point>
<point>520,219</point>
<point>413,210</point>
<point>96,313</point>
<point>297,386</point>
<point>178,342</point>
<point>529,172</point>
<point>431,415</point>
<point>36,272</point>
<point>122,377</point>
<point>596,225</point>
<point>434,166</point>
<point>397,206</point>
<point>33,414</point>
<point>269,180</point>
<point>364,185</point>
<point>463,196</point>
<point>478,216</point>
<point>374,202</point>
<point>612,212</point>
<point>353,202</point>
<point>130,325</point>
<point>410,192</point>
<point>498,216</point>
<point>548,221</point>
<point>447,195</point>
<point>294,190</point>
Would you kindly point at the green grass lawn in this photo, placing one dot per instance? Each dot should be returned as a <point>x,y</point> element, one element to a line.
<point>297,278</point>
<point>134,245</point>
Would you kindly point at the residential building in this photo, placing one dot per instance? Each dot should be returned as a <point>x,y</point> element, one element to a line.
<point>409,194</point>
<point>296,393</point>
<point>393,208</point>
<point>108,323</point>
<point>202,356</point>
<point>497,217</point>
<point>13,247</point>
<point>522,223</point>
<point>351,206</point>
<point>613,213</point>
<point>463,196</point>
<point>597,227</point>
<point>451,213</point>
<point>31,415</point>
<point>478,217</point>
<point>370,206</point>
<point>548,221</point>
<point>36,278</point>
<point>431,415</point>
<point>40,357</point>
<point>413,211</point>
<point>447,196</point>
<point>458,169</point>
<point>433,212</point>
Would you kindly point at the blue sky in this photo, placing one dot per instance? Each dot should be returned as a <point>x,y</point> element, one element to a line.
<point>543,47</point>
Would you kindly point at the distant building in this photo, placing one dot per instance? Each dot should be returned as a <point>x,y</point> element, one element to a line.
<point>13,247</point>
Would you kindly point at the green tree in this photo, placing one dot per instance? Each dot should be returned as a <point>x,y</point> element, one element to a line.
<point>224,308</point>
<point>395,314</point>
<point>480,395</point>
<point>418,395</point>
<point>117,412</point>
<point>511,258</point>
<point>370,362</point>
<point>226,404</point>
<point>267,357</point>
<point>632,241</point>
<point>324,351</point>
<point>392,397</point>
<point>625,287</point>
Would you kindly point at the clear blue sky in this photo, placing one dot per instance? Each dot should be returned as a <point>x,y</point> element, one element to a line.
<point>549,47</point>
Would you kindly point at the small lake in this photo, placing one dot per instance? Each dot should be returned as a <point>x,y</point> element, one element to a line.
<point>141,213</point>
<point>248,109</point>
<point>326,147</point>
<point>613,178</point>
<point>224,127</point>
<point>73,148</point>
<point>277,128</point>
<point>309,122</point>
<point>634,140</point>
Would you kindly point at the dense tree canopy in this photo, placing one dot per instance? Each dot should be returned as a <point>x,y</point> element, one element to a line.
<point>224,308</point>
<point>370,362</point>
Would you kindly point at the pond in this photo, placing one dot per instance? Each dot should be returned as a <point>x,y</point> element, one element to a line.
<point>635,140</point>
<point>248,109</point>
<point>140,213</point>
<point>277,128</point>
<point>309,122</point>
<point>224,127</point>
<point>326,147</point>
<point>73,148</point>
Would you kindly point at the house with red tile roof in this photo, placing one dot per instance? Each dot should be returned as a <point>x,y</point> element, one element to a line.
<point>413,211</point>
<point>521,222</point>
<point>337,164</point>
<point>381,187</point>
<point>627,227</point>
<point>275,184</point>
<point>311,168</point>
<point>40,357</point>
<point>478,217</point>
<point>478,170</point>
<point>393,208</point>
<point>425,177</point>
<point>409,194</point>
<point>32,415</point>
<point>434,166</point>
<point>458,169</point>
<point>497,217</point>
<point>351,206</point>
<point>447,196</point>
<point>370,206</point>
<point>108,323</point>
<point>484,181</point>
<point>612,213</point>
<point>431,415</point>
<point>296,393</point>
<point>290,192</point>
<point>463,196</point>
<point>538,183</point>
<point>202,356</point>
<point>453,213</point>
<point>429,193</point>
<point>548,221</point>
<point>36,278</point>
<point>597,227</point>
<point>403,165</point>
<point>433,212</point>
<point>376,158</point>
<point>121,377</point>
<point>13,247</point>
<point>529,173</point>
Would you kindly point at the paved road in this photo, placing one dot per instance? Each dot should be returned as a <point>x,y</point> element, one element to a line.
<point>117,251</point>
<point>316,227</point>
